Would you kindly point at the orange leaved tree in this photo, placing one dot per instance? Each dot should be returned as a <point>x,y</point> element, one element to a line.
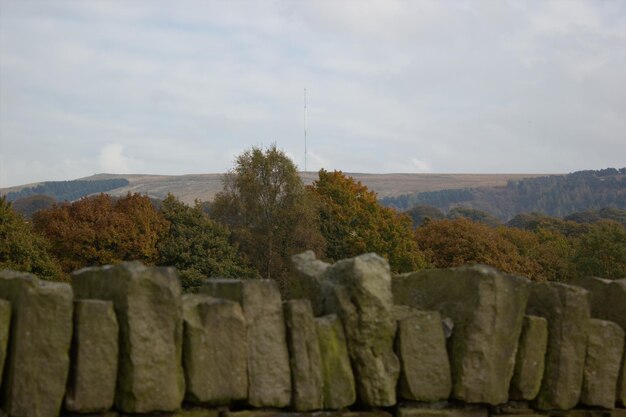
<point>101,230</point>
<point>354,222</point>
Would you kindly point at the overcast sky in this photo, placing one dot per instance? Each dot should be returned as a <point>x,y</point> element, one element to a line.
<point>164,87</point>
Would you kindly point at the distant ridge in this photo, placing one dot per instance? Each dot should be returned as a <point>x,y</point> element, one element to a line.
<point>204,186</point>
<point>555,195</point>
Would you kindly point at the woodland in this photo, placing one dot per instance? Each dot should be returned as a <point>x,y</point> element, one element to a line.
<point>265,214</point>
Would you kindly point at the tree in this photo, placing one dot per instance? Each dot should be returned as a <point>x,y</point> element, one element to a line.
<point>450,243</point>
<point>270,213</point>
<point>27,206</point>
<point>421,214</point>
<point>100,230</point>
<point>353,222</point>
<point>474,215</point>
<point>602,251</point>
<point>23,250</point>
<point>198,246</point>
<point>537,221</point>
<point>551,250</point>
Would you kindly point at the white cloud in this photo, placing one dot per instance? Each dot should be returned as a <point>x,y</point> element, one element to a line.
<point>421,166</point>
<point>113,160</point>
<point>476,86</point>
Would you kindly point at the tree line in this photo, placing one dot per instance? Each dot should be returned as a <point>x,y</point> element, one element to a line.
<point>265,214</point>
<point>554,195</point>
<point>68,190</point>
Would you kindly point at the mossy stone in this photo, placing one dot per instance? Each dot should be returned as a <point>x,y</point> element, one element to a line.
<point>338,379</point>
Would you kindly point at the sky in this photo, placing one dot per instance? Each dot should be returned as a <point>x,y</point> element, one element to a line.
<point>420,86</point>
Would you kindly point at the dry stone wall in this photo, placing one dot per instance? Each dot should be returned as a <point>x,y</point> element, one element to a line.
<point>352,341</point>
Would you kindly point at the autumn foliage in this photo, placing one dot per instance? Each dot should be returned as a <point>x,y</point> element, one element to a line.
<point>354,222</point>
<point>101,230</point>
<point>449,243</point>
<point>22,249</point>
<point>265,215</point>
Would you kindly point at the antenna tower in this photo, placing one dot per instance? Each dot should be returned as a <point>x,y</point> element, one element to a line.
<point>305,130</point>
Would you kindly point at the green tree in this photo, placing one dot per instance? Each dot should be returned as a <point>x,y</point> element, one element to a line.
<point>474,215</point>
<point>353,222</point>
<point>198,246</point>
<point>537,221</point>
<point>23,250</point>
<point>27,206</point>
<point>269,211</point>
<point>602,251</point>
<point>421,214</point>
<point>100,230</point>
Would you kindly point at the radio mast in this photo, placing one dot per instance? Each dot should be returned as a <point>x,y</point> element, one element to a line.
<point>305,130</point>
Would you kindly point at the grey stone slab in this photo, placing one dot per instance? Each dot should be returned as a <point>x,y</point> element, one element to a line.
<point>567,310</point>
<point>93,372</point>
<point>446,412</point>
<point>305,358</point>
<point>608,302</point>
<point>361,297</point>
<point>269,375</point>
<point>5,327</point>
<point>530,362</point>
<point>605,347</point>
<point>214,350</point>
<point>487,309</point>
<point>309,280</point>
<point>424,365</point>
<point>37,362</point>
<point>147,302</point>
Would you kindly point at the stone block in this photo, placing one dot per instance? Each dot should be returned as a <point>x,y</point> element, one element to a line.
<point>608,302</point>
<point>361,297</point>
<point>621,383</point>
<point>308,280</point>
<point>214,350</point>
<point>607,298</point>
<point>566,308</point>
<point>445,412</point>
<point>424,365</point>
<point>197,412</point>
<point>269,376</point>
<point>5,326</point>
<point>529,365</point>
<point>616,312</point>
<point>338,378</point>
<point>581,412</point>
<point>487,309</point>
<point>93,372</point>
<point>147,302</point>
<point>277,413</point>
<point>605,347</point>
<point>37,363</point>
<point>304,356</point>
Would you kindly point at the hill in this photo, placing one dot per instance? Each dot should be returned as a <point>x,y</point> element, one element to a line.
<point>204,186</point>
<point>555,195</point>
<point>67,190</point>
